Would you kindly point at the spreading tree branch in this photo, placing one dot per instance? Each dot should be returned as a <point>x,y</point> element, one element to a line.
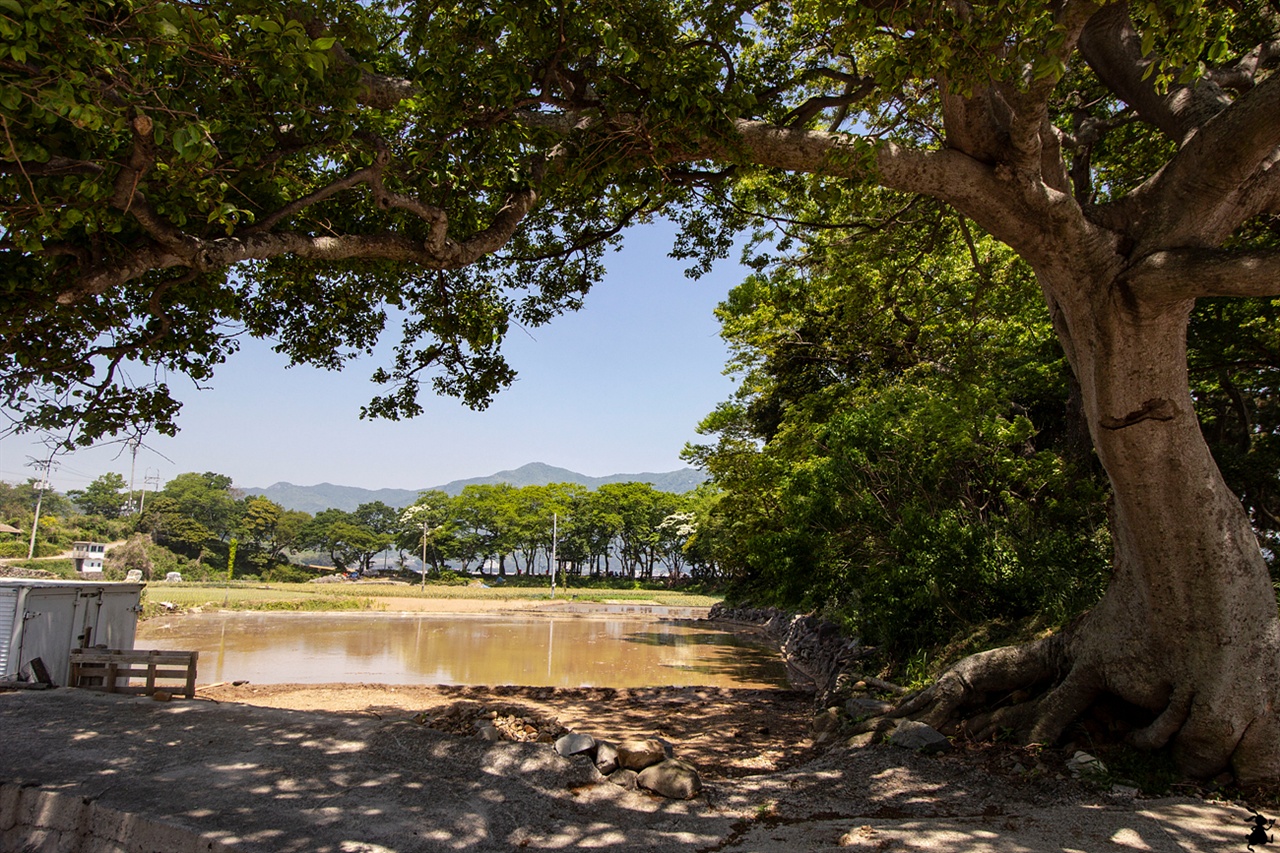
<point>1175,275</point>
<point>1196,198</point>
<point>1113,49</point>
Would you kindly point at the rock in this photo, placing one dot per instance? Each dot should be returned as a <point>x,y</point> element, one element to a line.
<point>161,696</point>
<point>865,837</point>
<point>861,706</point>
<point>817,654</point>
<point>1082,764</point>
<point>606,757</point>
<point>826,726</point>
<point>826,721</point>
<point>671,778</point>
<point>639,754</point>
<point>575,744</point>
<point>489,733</point>
<point>861,739</point>
<point>173,577</point>
<point>911,734</point>
<point>624,778</point>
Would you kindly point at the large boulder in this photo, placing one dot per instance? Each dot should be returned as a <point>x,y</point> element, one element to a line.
<point>639,754</point>
<point>864,706</point>
<point>624,778</point>
<point>606,757</point>
<point>574,744</point>
<point>911,734</point>
<point>671,778</point>
<point>826,725</point>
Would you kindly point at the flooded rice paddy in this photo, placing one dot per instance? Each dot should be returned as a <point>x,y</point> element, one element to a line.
<point>592,648</point>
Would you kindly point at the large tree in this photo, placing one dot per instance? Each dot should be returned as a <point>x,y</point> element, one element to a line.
<point>102,496</point>
<point>175,172</point>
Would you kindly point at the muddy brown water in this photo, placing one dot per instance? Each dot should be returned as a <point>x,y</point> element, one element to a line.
<point>597,649</point>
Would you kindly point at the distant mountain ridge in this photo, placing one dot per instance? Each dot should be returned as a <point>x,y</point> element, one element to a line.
<point>324,496</point>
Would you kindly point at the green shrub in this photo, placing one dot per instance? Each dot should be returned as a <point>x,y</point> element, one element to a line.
<point>286,573</point>
<point>17,549</point>
<point>61,568</point>
<point>133,555</point>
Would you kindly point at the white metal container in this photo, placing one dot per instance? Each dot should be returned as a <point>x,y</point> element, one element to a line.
<point>46,619</point>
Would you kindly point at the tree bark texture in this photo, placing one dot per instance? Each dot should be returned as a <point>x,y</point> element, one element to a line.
<point>1188,628</point>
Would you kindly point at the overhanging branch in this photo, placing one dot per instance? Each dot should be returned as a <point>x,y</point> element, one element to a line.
<point>1197,197</point>
<point>207,255</point>
<point>1180,274</point>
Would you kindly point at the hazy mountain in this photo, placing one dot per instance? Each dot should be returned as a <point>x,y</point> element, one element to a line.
<point>317,498</point>
<point>324,496</point>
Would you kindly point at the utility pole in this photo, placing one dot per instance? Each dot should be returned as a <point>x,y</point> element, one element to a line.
<point>424,554</point>
<point>154,480</point>
<point>133,466</point>
<point>41,485</point>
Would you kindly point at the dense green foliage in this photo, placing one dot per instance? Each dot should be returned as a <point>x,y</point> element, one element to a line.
<point>1235,372</point>
<point>901,452</point>
<point>135,129</point>
<point>60,522</point>
<point>102,497</point>
<point>905,452</point>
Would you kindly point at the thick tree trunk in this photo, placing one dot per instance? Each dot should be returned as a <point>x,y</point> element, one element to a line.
<point>1188,628</point>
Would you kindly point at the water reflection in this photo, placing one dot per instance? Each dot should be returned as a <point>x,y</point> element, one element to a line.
<point>573,651</point>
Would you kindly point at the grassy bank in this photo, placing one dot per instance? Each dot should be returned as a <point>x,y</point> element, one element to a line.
<point>372,596</point>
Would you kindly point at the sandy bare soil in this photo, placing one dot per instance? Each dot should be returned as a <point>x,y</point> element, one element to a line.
<point>723,732</point>
<point>274,780</point>
<point>348,768</point>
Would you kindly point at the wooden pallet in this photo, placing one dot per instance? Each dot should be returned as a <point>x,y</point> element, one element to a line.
<point>112,670</point>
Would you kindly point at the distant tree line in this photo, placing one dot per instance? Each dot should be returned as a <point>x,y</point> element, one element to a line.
<point>620,529</point>
<point>627,530</point>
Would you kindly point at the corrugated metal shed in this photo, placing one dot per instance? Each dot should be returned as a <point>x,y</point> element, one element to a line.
<point>46,619</point>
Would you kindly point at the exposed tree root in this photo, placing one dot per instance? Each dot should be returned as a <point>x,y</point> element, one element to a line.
<point>990,691</point>
<point>1037,692</point>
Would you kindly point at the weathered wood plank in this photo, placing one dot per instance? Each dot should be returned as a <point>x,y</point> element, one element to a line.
<point>112,669</point>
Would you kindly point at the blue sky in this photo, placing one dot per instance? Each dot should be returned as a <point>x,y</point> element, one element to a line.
<point>618,387</point>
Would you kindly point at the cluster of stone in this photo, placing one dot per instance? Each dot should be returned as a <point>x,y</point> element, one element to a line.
<point>649,764</point>
<point>849,705</point>
<point>29,574</point>
<point>492,724</point>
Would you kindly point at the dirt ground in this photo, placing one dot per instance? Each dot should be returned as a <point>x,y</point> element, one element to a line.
<point>275,780</point>
<point>344,768</point>
<point>723,732</point>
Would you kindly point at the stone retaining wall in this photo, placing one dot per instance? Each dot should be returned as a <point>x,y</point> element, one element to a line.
<point>33,819</point>
<point>818,656</point>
